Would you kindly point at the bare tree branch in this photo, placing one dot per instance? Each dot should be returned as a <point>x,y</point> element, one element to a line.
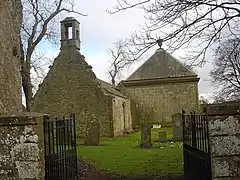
<point>38,23</point>
<point>124,5</point>
<point>196,26</point>
<point>119,61</point>
<point>226,72</point>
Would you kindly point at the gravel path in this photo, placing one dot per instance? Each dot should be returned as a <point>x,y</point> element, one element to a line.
<point>89,172</point>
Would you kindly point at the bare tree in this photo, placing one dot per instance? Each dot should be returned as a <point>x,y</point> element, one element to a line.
<point>195,25</point>
<point>226,72</point>
<point>38,24</point>
<point>119,61</point>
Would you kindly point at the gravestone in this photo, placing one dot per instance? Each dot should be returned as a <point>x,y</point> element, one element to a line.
<point>93,130</point>
<point>146,136</point>
<point>177,127</point>
<point>162,136</point>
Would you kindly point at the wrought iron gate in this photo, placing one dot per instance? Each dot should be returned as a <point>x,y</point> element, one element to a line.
<point>60,149</point>
<point>197,162</point>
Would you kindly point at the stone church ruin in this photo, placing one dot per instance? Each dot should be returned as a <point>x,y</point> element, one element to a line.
<point>72,87</point>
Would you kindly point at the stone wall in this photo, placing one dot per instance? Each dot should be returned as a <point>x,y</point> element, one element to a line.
<point>163,100</point>
<point>122,121</point>
<point>22,147</point>
<point>10,79</point>
<point>72,87</point>
<point>224,131</point>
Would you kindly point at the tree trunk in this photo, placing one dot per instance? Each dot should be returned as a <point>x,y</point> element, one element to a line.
<point>27,86</point>
<point>26,78</point>
<point>113,82</point>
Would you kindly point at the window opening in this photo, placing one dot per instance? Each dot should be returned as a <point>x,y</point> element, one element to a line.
<point>70,33</point>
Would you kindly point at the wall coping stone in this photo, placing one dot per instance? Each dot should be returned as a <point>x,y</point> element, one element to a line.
<point>223,109</point>
<point>22,118</point>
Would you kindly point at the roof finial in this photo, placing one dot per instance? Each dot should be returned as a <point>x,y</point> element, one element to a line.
<point>159,42</point>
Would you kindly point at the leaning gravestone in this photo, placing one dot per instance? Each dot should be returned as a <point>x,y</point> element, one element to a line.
<point>93,130</point>
<point>146,136</point>
<point>177,127</point>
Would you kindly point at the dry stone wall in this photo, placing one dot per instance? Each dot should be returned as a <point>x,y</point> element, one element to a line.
<point>22,147</point>
<point>10,79</point>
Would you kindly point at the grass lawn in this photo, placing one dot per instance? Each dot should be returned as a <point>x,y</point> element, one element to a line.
<point>123,155</point>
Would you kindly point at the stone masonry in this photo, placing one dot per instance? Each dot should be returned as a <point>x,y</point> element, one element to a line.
<point>164,86</point>
<point>22,147</point>
<point>163,98</point>
<point>224,131</point>
<point>10,79</point>
<point>72,87</point>
<point>120,117</point>
<point>122,120</point>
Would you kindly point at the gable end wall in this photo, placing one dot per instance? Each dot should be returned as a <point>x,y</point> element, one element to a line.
<point>71,87</point>
<point>161,101</point>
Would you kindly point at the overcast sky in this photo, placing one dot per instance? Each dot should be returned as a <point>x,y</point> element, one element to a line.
<point>99,30</point>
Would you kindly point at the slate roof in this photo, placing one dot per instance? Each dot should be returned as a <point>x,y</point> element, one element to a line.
<point>109,89</point>
<point>161,65</point>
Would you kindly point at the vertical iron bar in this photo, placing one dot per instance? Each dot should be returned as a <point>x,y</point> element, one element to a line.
<point>51,141</point>
<point>64,149</point>
<point>205,135</point>
<point>46,147</point>
<point>68,124</point>
<point>200,133</point>
<point>196,125</point>
<point>183,124</point>
<point>57,147</point>
<point>185,139</point>
<point>194,143</point>
<point>51,158</point>
<point>61,145</point>
<point>71,143</point>
<point>67,148</point>
<point>190,130</point>
<point>197,130</point>
<point>75,145</point>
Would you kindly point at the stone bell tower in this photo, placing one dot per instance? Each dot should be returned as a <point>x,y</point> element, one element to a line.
<point>70,33</point>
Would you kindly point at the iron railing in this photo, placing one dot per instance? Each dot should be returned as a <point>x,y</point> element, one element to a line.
<point>197,162</point>
<point>195,131</point>
<point>60,149</point>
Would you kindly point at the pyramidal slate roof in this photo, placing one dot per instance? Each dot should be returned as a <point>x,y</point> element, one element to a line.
<point>161,65</point>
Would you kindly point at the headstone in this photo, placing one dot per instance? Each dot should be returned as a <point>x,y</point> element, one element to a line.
<point>93,130</point>
<point>162,136</point>
<point>146,136</point>
<point>177,127</point>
